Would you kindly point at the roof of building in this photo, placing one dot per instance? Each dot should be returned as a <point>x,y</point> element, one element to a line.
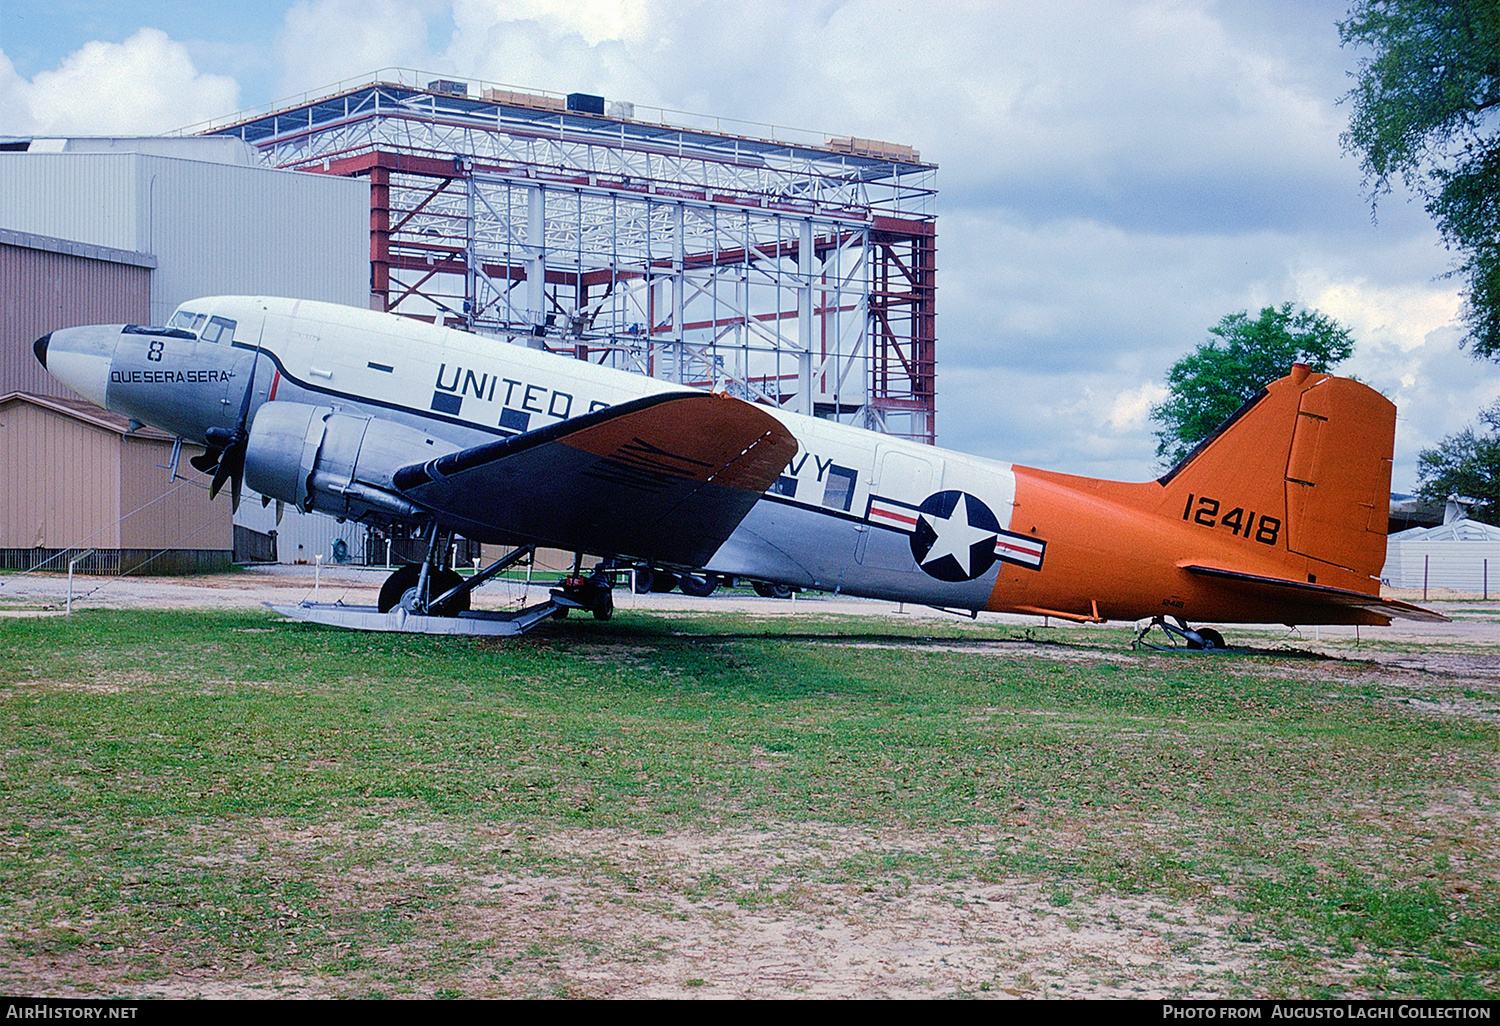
<point>83,410</point>
<point>86,250</point>
<point>213,149</point>
<point>1459,530</point>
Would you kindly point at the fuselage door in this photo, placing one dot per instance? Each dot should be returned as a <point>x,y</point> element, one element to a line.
<point>902,480</point>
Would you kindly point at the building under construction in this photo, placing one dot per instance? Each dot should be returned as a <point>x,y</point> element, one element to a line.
<point>771,264</point>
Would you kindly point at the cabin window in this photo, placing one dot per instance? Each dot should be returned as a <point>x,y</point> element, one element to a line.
<point>838,489</point>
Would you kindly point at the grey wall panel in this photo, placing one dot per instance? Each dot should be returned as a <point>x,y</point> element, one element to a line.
<point>222,229</point>
<point>214,228</point>
<point>86,197</point>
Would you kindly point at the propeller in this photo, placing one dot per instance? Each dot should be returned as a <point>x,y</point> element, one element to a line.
<point>231,465</point>
<point>225,455</point>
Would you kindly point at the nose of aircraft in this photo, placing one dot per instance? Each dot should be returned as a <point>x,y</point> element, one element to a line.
<point>80,358</point>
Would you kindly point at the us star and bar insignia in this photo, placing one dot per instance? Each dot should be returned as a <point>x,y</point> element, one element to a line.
<point>954,535</point>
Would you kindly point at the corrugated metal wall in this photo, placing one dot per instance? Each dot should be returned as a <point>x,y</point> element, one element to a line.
<point>85,197</point>
<point>62,480</point>
<point>219,228</point>
<point>214,228</point>
<point>301,537</point>
<point>158,513</point>
<point>41,291</point>
<point>71,484</point>
<point>1458,565</point>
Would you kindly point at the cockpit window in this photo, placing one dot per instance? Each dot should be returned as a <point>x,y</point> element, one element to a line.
<point>220,329</point>
<point>209,329</point>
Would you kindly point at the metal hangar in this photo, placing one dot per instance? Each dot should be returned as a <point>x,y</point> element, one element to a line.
<point>774,264</point>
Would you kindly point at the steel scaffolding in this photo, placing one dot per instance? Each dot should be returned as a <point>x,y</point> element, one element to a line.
<point>772,264</point>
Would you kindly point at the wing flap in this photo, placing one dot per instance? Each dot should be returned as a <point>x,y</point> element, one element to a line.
<point>1299,593</point>
<point>666,478</point>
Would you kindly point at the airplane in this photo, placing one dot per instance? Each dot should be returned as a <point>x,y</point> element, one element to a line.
<point>1279,517</point>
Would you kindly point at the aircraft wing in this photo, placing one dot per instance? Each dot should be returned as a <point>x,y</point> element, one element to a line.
<point>666,478</point>
<point>1303,594</point>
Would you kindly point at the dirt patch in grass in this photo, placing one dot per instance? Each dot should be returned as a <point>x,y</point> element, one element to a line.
<point>776,912</point>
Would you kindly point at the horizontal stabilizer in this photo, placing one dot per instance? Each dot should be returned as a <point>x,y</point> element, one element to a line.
<point>1301,595</point>
<point>666,478</point>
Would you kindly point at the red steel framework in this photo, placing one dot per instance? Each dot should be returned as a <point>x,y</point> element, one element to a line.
<point>795,272</point>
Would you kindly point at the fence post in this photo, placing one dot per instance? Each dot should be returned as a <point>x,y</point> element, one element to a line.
<point>1425,558</point>
<point>71,564</point>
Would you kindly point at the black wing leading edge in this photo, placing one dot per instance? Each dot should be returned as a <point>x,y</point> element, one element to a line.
<point>666,478</point>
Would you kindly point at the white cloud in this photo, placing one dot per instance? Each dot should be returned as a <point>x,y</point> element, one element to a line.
<point>326,41</point>
<point>1132,408</point>
<point>143,86</point>
<point>593,21</point>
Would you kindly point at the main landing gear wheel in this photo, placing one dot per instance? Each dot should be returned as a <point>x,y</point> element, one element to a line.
<point>442,581</point>
<point>400,589</point>
<point>645,577</point>
<point>698,585</point>
<point>398,584</point>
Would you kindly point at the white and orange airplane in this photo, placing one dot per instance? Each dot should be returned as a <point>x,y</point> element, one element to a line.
<point>1279,517</point>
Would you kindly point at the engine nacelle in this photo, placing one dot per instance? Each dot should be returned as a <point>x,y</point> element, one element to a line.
<point>323,461</point>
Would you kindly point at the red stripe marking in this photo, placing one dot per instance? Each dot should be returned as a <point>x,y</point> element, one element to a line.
<point>275,381</point>
<point>1017,547</point>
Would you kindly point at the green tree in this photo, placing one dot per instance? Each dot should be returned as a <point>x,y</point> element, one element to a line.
<point>1466,464</point>
<point>1205,387</point>
<point>1426,110</point>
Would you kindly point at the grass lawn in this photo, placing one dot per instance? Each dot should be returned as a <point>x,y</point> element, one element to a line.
<point>223,804</point>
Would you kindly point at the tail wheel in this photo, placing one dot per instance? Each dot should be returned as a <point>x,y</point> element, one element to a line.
<point>645,577</point>
<point>779,591</point>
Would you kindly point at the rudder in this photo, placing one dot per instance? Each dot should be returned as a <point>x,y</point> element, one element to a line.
<point>1309,458</point>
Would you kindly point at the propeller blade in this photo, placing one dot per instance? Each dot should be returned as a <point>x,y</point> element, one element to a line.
<point>233,467</point>
<point>229,448</point>
<point>207,460</point>
<point>280,510</point>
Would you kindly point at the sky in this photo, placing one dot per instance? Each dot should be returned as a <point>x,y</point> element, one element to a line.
<point>1114,177</point>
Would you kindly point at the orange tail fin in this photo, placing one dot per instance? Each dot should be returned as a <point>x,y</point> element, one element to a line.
<point>1309,457</point>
